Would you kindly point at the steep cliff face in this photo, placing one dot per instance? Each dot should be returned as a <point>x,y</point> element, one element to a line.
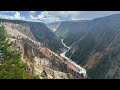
<point>99,50</point>
<point>53,26</point>
<point>94,44</point>
<point>44,60</point>
<point>72,31</point>
<point>40,60</point>
<point>41,33</point>
<point>18,30</point>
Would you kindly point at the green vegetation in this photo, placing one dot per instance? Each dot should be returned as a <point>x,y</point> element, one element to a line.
<point>85,46</point>
<point>73,37</point>
<point>11,66</point>
<point>99,70</point>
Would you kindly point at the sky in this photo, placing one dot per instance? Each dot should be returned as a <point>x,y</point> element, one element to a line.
<point>53,16</point>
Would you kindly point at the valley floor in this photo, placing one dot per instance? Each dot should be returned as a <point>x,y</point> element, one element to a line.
<point>72,64</point>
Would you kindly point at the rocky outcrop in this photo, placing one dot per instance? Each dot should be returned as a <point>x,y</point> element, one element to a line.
<point>52,64</point>
<point>40,31</point>
<point>39,59</point>
<point>18,30</point>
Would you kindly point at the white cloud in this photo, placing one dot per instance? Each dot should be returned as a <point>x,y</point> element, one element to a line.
<point>79,18</point>
<point>48,16</point>
<point>32,12</point>
<point>53,19</point>
<point>16,16</point>
<point>80,15</point>
<point>8,11</point>
<point>53,16</point>
<point>44,16</point>
<point>40,17</point>
<point>66,14</point>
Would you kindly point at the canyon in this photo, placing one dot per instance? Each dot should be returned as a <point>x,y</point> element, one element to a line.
<point>39,58</point>
<point>77,68</point>
<point>94,45</point>
<point>79,49</point>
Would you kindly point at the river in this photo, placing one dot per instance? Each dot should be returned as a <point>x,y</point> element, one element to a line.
<point>81,70</point>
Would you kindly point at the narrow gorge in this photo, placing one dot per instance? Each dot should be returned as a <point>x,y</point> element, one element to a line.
<point>79,69</point>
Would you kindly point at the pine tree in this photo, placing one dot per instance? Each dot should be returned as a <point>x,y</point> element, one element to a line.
<point>11,66</point>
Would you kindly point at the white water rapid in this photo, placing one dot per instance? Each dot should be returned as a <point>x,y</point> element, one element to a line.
<point>81,70</point>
